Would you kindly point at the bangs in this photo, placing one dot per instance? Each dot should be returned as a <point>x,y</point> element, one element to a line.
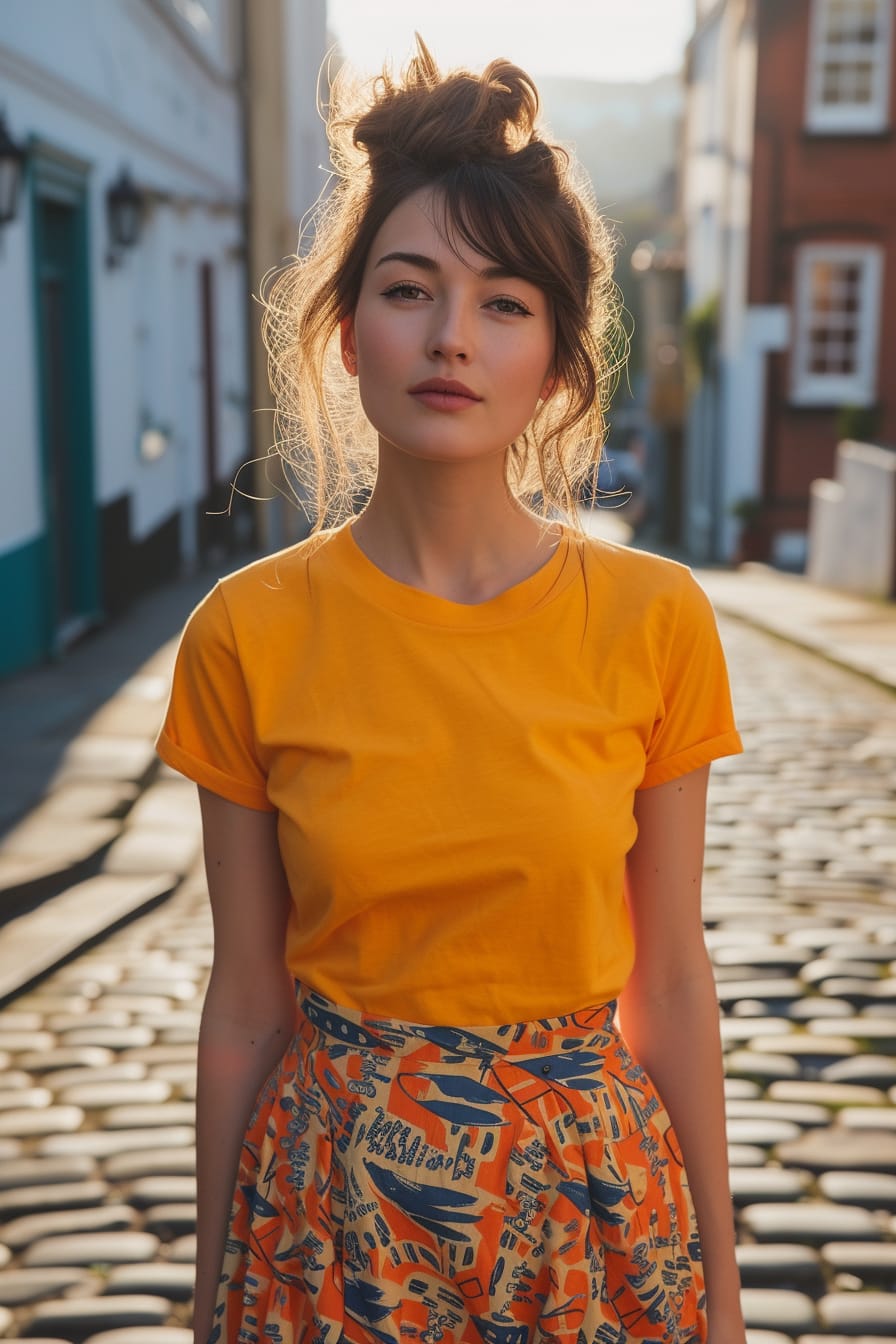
<point>489,212</point>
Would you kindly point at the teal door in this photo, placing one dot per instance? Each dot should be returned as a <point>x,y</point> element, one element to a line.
<point>62,324</point>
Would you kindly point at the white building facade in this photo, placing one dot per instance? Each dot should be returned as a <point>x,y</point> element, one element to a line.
<point>723,460</point>
<point>125,382</point>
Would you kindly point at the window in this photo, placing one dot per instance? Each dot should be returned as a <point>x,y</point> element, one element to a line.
<point>849,64</point>
<point>838,290</point>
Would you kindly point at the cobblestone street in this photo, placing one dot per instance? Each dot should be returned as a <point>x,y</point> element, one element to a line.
<point>97,1076</point>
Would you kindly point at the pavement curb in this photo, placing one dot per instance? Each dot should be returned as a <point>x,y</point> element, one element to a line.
<point>851,632</point>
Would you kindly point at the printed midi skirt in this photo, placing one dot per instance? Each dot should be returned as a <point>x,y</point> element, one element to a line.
<point>498,1185</point>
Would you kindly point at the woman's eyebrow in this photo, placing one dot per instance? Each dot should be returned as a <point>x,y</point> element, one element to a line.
<point>425,263</point>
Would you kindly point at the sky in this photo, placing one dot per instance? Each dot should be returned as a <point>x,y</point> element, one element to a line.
<point>596,39</point>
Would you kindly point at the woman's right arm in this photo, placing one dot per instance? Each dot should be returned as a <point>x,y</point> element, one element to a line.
<point>247,1019</point>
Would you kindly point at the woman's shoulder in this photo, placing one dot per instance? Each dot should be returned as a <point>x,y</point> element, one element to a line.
<point>278,571</point>
<point>265,597</point>
<point>631,573</point>
<point>639,591</point>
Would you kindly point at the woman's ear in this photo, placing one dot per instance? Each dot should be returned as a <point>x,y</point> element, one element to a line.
<point>551,386</point>
<point>347,344</point>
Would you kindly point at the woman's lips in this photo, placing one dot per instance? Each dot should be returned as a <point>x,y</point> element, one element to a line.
<point>445,401</point>
<point>444,394</point>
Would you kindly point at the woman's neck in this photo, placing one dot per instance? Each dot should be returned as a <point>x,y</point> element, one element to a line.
<point>451,529</point>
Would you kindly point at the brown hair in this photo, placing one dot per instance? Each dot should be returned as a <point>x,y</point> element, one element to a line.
<point>504,191</point>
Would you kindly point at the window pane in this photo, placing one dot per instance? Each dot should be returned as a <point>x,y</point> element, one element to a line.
<point>836,15</point>
<point>864,83</point>
<point>852,279</point>
<point>823,280</point>
<point>868,15</point>
<point>851,21</point>
<point>836,304</point>
<point>831,83</point>
<point>835,299</point>
<point>850,51</point>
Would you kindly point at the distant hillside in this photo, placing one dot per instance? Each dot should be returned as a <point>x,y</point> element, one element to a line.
<point>626,135</point>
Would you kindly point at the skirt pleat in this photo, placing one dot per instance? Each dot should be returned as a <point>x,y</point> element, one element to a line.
<point>518,1184</point>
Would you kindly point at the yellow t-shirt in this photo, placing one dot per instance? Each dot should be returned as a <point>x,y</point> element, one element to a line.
<point>454,782</point>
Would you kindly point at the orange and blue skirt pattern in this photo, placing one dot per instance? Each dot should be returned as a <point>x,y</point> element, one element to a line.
<point>497,1185</point>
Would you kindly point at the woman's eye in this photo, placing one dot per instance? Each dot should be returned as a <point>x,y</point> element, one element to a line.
<point>505,305</point>
<point>404,290</point>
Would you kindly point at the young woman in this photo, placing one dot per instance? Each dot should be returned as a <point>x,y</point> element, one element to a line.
<point>452,759</point>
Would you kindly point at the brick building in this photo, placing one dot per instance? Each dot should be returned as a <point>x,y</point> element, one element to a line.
<point>790,216</point>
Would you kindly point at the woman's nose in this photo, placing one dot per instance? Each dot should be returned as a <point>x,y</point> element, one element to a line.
<point>449,334</point>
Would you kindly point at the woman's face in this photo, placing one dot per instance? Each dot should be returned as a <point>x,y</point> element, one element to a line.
<point>452,353</point>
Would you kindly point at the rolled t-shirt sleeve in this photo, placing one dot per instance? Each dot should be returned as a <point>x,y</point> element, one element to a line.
<point>208,733</point>
<point>695,719</point>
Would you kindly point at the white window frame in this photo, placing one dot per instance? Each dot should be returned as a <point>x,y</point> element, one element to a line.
<point>848,118</point>
<point>832,389</point>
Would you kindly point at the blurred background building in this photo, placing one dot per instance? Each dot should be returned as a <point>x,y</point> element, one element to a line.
<point>167,150</point>
<point>789,226</point>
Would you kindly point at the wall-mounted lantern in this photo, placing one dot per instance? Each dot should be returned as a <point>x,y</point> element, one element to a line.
<point>12,162</point>
<point>124,212</point>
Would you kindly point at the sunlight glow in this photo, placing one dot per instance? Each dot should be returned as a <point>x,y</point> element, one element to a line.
<point>616,40</point>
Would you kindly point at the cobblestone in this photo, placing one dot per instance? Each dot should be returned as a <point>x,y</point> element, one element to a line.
<point>100,1143</point>
<point>157,1163</point>
<point>873,1262</point>
<point>22,1172</point>
<point>835,1149</point>
<point>155,1190</point>
<point>825,1094</point>
<point>21,1286</point>
<point>812,1224</point>
<point>781,1265</point>
<point>752,1185</point>
<point>77,1317</point>
<point>855,1313</point>
<point>42,1198</point>
<point>31,1229</point>
<point>92,1248</point>
<point>869,1190</point>
<point>166,1279</point>
<point>147,1335</point>
<point>169,1221</point>
<point>772,1308</point>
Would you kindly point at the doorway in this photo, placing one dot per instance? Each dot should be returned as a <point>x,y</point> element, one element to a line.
<point>62,327</point>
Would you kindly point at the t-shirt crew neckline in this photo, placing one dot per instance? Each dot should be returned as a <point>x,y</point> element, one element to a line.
<point>416,604</point>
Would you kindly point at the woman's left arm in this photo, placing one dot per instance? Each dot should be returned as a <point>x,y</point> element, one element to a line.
<point>668,1013</point>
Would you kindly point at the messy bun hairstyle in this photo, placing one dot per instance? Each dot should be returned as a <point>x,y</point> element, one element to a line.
<point>501,189</point>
